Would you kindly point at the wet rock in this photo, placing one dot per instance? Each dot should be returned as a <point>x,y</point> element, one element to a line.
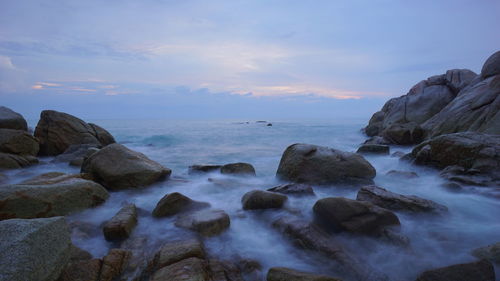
<point>76,153</point>
<point>175,203</point>
<point>377,140</point>
<point>36,249</point>
<point>135,170</point>
<point>464,176</point>
<point>353,216</point>
<point>10,119</point>
<point>192,269</point>
<point>288,274</point>
<point>475,271</point>
<point>293,189</point>
<point>306,163</point>
<point>139,256</point>
<point>12,161</point>
<point>56,131</point>
<point>373,149</point>
<point>103,136</point>
<point>397,202</point>
<point>49,196</point>
<point>402,174</point>
<point>203,168</point>
<point>205,222</point>
<point>18,142</point>
<point>176,251</point>
<point>259,199</point>
<point>492,66</point>
<point>113,264</point>
<point>122,224</point>
<point>490,252</point>
<point>404,133</point>
<point>239,169</point>
<point>85,270</point>
<point>398,154</point>
<point>78,254</point>
<point>224,271</point>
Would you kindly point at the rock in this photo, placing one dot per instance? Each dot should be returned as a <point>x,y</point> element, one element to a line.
<point>191,269</point>
<point>492,66</point>
<point>377,140</point>
<point>373,149</point>
<point>293,189</point>
<point>397,202</point>
<point>475,271</point>
<point>239,169</point>
<point>490,252</point>
<point>139,256</point>
<point>175,203</point>
<point>354,216</point>
<point>55,195</point>
<point>135,169</point>
<point>85,270</point>
<point>288,274</point>
<point>56,131</point>
<point>78,254</point>
<point>269,124</point>
<point>122,224</point>
<point>103,136</point>
<point>36,249</point>
<point>3,178</point>
<point>306,163</point>
<point>11,161</point>
<point>251,270</point>
<point>113,264</point>
<point>398,154</point>
<point>402,174</point>
<point>404,133</point>
<point>12,120</point>
<point>18,142</point>
<point>176,251</point>
<point>203,168</point>
<point>76,153</point>
<point>461,175</point>
<point>224,271</point>
<point>205,222</point>
<point>259,199</point>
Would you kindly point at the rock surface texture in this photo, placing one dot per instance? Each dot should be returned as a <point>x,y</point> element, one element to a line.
<point>121,225</point>
<point>475,271</point>
<point>10,119</point>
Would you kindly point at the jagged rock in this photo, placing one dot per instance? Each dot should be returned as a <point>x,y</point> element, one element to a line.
<point>492,66</point>
<point>175,203</point>
<point>373,149</point>
<point>239,169</point>
<point>18,142</point>
<point>205,222</point>
<point>397,202</point>
<point>288,274</point>
<point>306,163</point>
<point>259,199</point>
<point>293,189</point>
<point>191,269</point>
<point>176,251</point>
<point>475,271</point>
<point>50,195</point>
<point>84,270</point>
<point>402,174</point>
<point>117,167</point>
<point>10,119</point>
<point>35,249</point>
<point>203,168</point>
<point>490,252</point>
<point>113,264</point>
<point>12,161</point>
<point>122,224</point>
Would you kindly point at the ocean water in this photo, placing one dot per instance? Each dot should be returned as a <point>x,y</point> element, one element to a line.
<point>436,241</point>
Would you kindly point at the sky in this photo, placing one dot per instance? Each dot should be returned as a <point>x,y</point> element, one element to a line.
<point>233,59</point>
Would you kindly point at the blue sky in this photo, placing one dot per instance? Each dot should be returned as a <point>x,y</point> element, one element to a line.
<point>233,59</point>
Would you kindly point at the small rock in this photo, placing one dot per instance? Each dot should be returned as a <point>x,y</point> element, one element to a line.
<point>114,263</point>
<point>240,169</point>
<point>288,274</point>
<point>475,271</point>
<point>191,269</point>
<point>176,251</point>
<point>490,252</point>
<point>373,149</point>
<point>205,222</point>
<point>174,203</point>
<point>269,124</point>
<point>259,199</point>
<point>293,189</point>
<point>122,224</point>
<point>402,174</point>
<point>203,168</point>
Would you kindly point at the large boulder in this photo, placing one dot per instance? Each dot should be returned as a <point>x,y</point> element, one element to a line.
<point>288,274</point>
<point>35,249</point>
<point>475,271</point>
<point>306,163</point>
<point>175,203</point>
<point>122,224</point>
<point>117,167</point>
<point>10,119</point>
<point>259,199</point>
<point>18,142</point>
<point>239,169</point>
<point>53,195</point>
<point>492,66</point>
<point>205,222</point>
<point>56,131</point>
<point>13,161</point>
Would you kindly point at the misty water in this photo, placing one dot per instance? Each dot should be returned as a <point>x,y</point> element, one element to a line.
<point>472,220</point>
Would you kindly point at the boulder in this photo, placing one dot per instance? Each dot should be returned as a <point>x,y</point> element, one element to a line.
<point>103,136</point>
<point>377,140</point>
<point>53,195</point>
<point>373,149</point>
<point>176,251</point>
<point>397,202</point>
<point>205,222</point>
<point>492,66</point>
<point>191,269</point>
<point>18,142</point>
<point>224,271</point>
<point>238,169</point>
<point>76,153</point>
<point>78,254</point>
<point>138,259</point>
<point>460,175</point>
<point>475,271</point>
<point>490,252</point>
<point>259,199</point>
<point>122,224</point>
<point>12,120</point>
<point>56,131</point>
<point>35,249</point>
<point>175,203</point>
<point>402,174</point>
<point>404,133</point>
<point>117,167</point>
<point>203,168</point>
<point>113,264</point>
<point>306,163</point>
<point>293,189</point>
<point>353,216</point>
<point>83,270</point>
<point>12,161</point>
<point>288,274</point>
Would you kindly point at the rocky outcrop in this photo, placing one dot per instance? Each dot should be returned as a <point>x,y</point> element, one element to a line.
<point>56,131</point>
<point>117,167</point>
<point>238,169</point>
<point>397,202</point>
<point>373,149</point>
<point>475,271</point>
<point>12,161</point>
<point>293,189</point>
<point>288,274</point>
<point>259,199</point>
<point>121,225</point>
<point>55,194</point>
<point>18,142</point>
<point>10,119</point>
<point>490,252</point>
<point>35,249</point>
<point>306,163</point>
<point>175,203</point>
<point>205,222</point>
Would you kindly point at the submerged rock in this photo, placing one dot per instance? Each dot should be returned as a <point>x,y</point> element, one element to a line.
<point>259,199</point>
<point>240,169</point>
<point>402,174</point>
<point>12,161</point>
<point>117,167</point>
<point>122,224</point>
<point>205,222</point>
<point>18,142</point>
<point>288,274</point>
<point>373,149</point>
<point>203,168</point>
<point>175,203</point>
<point>293,189</point>
<point>176,251</point>
<point>475,271</point>
<point>306,163</point>
<point>490,252</point>
<point>10,119</point>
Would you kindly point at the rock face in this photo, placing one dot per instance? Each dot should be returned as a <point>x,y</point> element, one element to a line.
<point>174,203</point>
<point>259,199</point>
<point>476,271</point>
<point>117,167</point>
<point>11,161</point>
<point>288,274</point>
<point>239,169</point>
<point>306,163</point>
<point>397,202</point>
<point>10,119</point>
<point>490,252</point>
<point>122,224</point>
<point>53,195</point>
<point>18,142</point>
<point>36,249</point>
<point>293,189</point>
<point>176,251</point>
<point>205,222</point>
<point>354,216</point>
<point>373,149</point>
<point>56,131</point>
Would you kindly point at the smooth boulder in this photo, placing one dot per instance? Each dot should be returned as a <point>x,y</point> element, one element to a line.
<point>205,222</point>
<point>491,66</point>
<point>18,142</point>
<point>238,169</point>
<point>13,161</point>
<point>475,271</point>
<point>10,119</point>
<point>288,274</point>
<point>259,199</point>
<point>175,203</point>
<point>293,189</point>
<point>116,167</point>
<point>175,251</point>
<point>121,225</point>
